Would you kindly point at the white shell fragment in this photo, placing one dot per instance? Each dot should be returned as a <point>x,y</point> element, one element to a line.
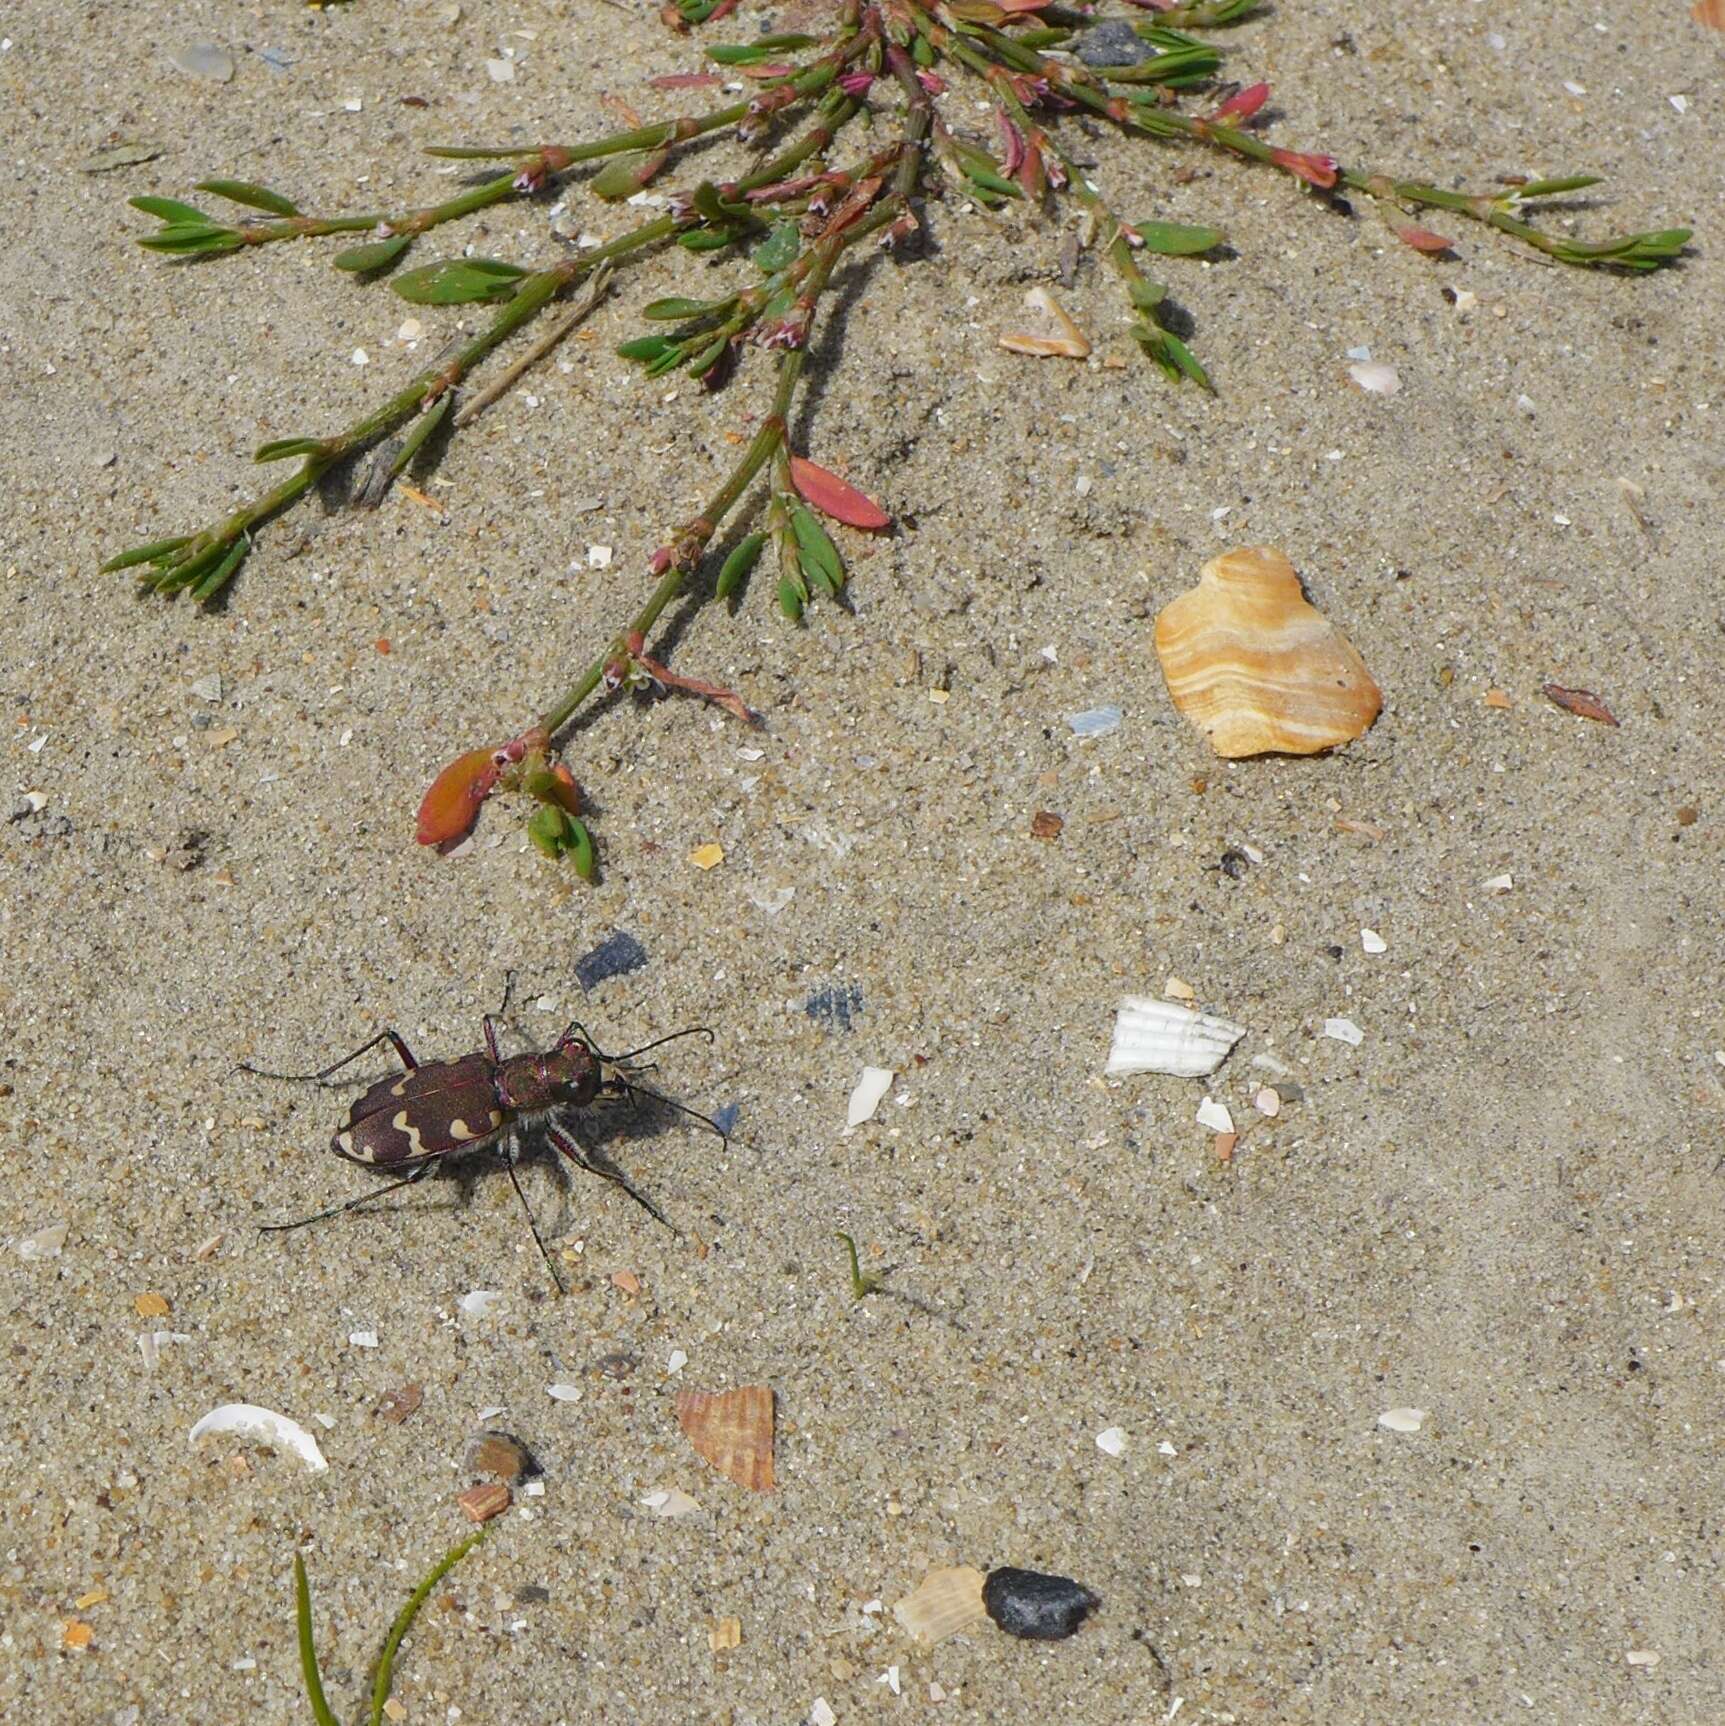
<point>247,1420</point>
<point>1402,1419</point>
<point>1376,378</point>
<point>1268,1102</point>
<point>865,1099</point>
<point>1215,1116</point>
<point>1112,1441</point>
<point>1344,1031</point>
<point>476,1303</point>
<point>1372,942</point>
<point>43,1243</point>
<point>562,1390</point>
<point>1094,721</point>
<point>669,1501</point>
<point>1499,884</point>
<point>1163,1037</point>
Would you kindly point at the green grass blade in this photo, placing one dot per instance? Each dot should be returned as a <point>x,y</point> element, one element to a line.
<point>252,196</point>
<point>151,553</point>
<point>307,1649</point>
<point>404,1621</point>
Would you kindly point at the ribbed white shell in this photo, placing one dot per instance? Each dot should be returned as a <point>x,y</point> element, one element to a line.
<point>1153,1036</point>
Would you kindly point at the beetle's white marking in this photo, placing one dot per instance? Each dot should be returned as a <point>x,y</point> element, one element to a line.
<point>409,1132</point>
<point>495,1120</point>
<point>458,1130</point>
<point>399,1088</point>
<point>344,1144</point>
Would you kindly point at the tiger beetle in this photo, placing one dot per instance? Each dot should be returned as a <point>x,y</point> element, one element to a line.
<point>440,1109</point>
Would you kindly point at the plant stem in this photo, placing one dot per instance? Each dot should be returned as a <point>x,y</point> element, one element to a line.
<point>308,1666</point>
<point>404,1620</point>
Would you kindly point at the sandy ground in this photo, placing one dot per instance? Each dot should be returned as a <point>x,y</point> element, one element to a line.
<point>1502,1208</point>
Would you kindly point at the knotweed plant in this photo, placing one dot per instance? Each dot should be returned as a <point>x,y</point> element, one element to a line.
<point>852,128</point>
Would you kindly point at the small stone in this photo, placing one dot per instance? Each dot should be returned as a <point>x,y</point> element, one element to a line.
<point>708,856</point>
<point>203,60</point>
<point>727,1633</point>
<point>395,1710</point>
<point>208,688</point>
<point>1041,1608</point>
<point>502,1456</point>
<point>1045,824</point>
<point>1344,1031</point>
<point>1112,1441</point>
<point>152,1306</point>
<point>44,1243</point>
<point>1268,1102</point>
<point>1115,43</point>
<point>482,1503</point>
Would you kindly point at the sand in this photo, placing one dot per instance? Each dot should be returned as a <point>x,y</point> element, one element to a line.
<point>1501,1208</point>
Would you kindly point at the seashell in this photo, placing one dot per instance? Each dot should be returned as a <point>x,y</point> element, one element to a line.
<point>247,1420</point>
<point>1164,1037</point>
<point>1256,667</point>
<point>1040,1608</point>
<point>733,1431</point>
<point>502,1456</point>
<point>944,1603</point>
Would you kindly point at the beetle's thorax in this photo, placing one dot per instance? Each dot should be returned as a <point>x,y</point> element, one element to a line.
<point>566,1075</point>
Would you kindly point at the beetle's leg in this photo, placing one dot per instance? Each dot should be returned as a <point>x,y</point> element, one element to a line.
<point>491,1038</point>
<point>386,1035</point>
<point>584,1160</point>
<point>419,1174</point>
<point>509,1151</point>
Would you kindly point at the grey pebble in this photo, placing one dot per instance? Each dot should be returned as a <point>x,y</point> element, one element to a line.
<point>1115,43</point>
<point>1036,1606</point>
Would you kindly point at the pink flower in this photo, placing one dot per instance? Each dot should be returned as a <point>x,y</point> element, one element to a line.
<point>934,84</point>
<point>1306,165</point>
<point>1012,143</point>
<point>856,83</point>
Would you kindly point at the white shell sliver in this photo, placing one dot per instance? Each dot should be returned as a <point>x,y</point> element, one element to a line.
<point>1153,1036</point>
<point>247,1420</point>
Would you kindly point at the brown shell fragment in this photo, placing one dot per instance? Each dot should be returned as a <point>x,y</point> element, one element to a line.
<point>502,1456</point>
<point>481,1503</point>
<point>1256,667</point>
<point>733,1430</point>
<point>1582,702</point>
<point>944,1603</point>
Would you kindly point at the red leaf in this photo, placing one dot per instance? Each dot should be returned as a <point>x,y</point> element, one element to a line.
<point>685,80</point>
<point>1582,702</point>
<point>832,496</point>
<point>1243,104</point>
<point>451,806</point>
<point>1307,165</point>
<point>1422,239</point>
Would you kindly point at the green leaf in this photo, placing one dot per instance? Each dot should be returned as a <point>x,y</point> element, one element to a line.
<point>374,255</point>
<point>668,361</point>
<point>706,239</point>
<point>709,357</point>
<point>1171,354</point>
<point>187,237</point>
<point>422,428</point>
<point>171,577</point>
<point>752,53</point>
<point>320,1708</point>
<point>1176,239</point>
<point>169,210</point>
<point>478,152</point>
<point>1145,294</point>
<point>224,572</point>
<point>151,553</point>
<point>676,310</point>
<point>285,447</point>
<point>816,552</point>
<point>735,569</point>
<point>1550,188</point>
<point>459,282</point>
<point>644,348</point>
<point>623,176</point>
<point>791,600</point>
<point>996,183</point>
<point>705,200</point>
<point>779,249</point>
<point>254,197</point>
<point>384,1681</point>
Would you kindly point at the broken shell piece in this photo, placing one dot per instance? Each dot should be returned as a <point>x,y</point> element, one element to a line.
<point>1038,1607</point>
<point>246,1419</point>
<point>865,1099</point>
<point>1071,343</point>
<point>1268,1102</point>
<point>1163,1037</point>
<point>669,1501</point>
<point>943,1604</point>
<point>733,1431</point>
<point>1255,667</point>
<point>481,1503</point>
<point>1344,1031</point>
<point>1215,1116</point>
<point>1402,1419</point>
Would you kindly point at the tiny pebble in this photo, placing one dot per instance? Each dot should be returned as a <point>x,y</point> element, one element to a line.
<point>821,1713</point>
<point>677,1362</point>
<point>501,71</point>
<point>208,688</point>
<point>482,1503</point>
<point>599,556</point>
<point>362,1338</point>
<point>44,1243</point>
<point>1030,1604</point>
<point>1344,1031</point>
<point>1114,43</point>
<point>1642,1657</point>
<point>500,1455</point>
<point>708,856</point>
<point>1376,379</point>
<point>1498,883</point>
<point>360,357</point>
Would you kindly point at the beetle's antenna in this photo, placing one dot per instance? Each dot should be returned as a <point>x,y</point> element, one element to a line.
<point>657,1043</point>
<point>681,1108</point>
<point>352,1204</point>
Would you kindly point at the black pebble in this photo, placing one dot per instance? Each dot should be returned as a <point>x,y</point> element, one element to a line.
<point>1042,1608</point>
<point>1115,43</point>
